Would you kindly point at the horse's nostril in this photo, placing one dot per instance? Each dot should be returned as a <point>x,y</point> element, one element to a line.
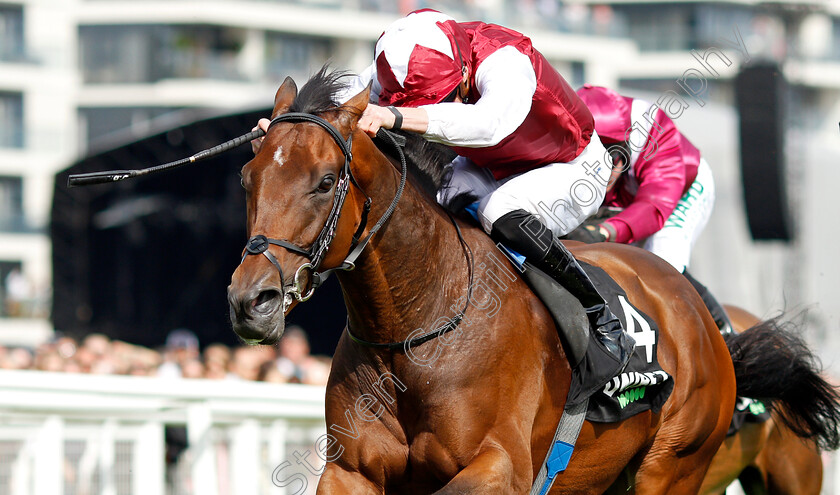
<point>266,301</point>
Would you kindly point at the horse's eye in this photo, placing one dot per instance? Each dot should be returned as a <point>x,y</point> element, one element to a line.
<point>326,184</point>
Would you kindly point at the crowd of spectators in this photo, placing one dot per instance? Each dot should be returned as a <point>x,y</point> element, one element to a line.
<point>289,361</point>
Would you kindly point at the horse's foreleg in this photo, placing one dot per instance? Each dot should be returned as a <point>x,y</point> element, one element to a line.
<point>491,472</point>
<point>337,480</point>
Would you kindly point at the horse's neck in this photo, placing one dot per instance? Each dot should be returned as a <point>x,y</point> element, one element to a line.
<point>413,271</point>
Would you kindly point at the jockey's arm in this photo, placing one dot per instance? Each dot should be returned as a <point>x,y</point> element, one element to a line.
<point>661,179</point>
<point>374,116</point>
<point>506,82</point>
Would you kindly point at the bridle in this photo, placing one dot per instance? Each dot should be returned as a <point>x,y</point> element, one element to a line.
<point>259,244</point>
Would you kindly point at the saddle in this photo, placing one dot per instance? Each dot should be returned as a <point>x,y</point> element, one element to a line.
<point>642,385</point>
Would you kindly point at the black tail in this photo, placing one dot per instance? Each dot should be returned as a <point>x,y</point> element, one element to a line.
<point>773,364</point>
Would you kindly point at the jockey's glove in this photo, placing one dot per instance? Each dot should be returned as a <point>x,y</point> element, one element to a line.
<point>588,233</point>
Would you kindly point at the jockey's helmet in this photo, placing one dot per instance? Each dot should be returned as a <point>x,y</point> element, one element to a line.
<point>421,59</point>
<point>610,110</point>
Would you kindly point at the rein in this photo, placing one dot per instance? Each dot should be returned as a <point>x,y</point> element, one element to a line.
<point>259,244</point>
<point>443,329</point>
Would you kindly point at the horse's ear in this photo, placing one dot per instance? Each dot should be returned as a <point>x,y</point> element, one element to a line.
<point>284,97</point>
<point>356,105</point>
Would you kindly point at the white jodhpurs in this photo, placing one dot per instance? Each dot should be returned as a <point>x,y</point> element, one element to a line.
<point>562,195</point>
<point>674,241</point>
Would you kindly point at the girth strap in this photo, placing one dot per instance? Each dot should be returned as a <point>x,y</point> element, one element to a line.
<point>561,448</point>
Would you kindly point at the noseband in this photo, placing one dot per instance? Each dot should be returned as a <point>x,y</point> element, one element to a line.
<point>259,244</point>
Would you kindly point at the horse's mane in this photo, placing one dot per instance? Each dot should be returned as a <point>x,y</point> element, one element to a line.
<point>427,161</point>
<point>318,94</point>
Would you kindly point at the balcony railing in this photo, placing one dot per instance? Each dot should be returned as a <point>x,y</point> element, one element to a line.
<point>11,138</point>
<point>17,224</point>
<point>575,18</point>
<point>14,52</point>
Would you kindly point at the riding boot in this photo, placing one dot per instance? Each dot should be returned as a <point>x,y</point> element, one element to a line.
<point>717,311</point>
<point>526,234</point>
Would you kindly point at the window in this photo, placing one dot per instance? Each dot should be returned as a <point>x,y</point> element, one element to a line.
<point>11,33</point>
<point>144,54</point>
<point>100,122</point>
<point>295,56</point>
<point>660,26</point>
<point>11,204</point>
<point>11,120</point>
<point>716,22</point>
<point>834,49</point>
<point>577,74</point>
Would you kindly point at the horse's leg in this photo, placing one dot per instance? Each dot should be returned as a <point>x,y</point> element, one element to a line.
<point>491,472</point>
<point>753,481</point>
<point>736,453</point>
<point>337,480</point>
<point>684,447</point>
<point>789,464</point>
<point>671,474</point>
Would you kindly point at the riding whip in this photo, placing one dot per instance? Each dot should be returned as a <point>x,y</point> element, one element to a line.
<point>118,175</point>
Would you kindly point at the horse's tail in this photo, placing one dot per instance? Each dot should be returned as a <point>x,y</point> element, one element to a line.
<point>773,364</point>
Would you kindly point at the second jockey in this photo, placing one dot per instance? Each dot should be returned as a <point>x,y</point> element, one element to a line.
<point>662,185</point>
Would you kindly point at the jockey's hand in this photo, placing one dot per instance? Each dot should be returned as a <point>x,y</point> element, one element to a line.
<point>589,234</point>
<point>257,143</point>
<point>374,117</point>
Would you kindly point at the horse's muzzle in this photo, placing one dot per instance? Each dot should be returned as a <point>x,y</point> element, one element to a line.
<point>257,313</point>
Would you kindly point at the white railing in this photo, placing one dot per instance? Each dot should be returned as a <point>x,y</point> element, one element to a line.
<point>74,434</point>
<point>77,434</point>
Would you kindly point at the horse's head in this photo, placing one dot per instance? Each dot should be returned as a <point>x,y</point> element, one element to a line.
<point>296,219</point>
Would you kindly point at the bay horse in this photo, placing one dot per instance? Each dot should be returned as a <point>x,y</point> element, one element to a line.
<point>768,457</point>
<point>471,403</point>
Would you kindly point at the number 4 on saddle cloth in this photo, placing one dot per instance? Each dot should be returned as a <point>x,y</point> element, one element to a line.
<point>642,385</point>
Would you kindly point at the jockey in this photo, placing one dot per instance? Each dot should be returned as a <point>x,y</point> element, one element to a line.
<point>667,194</point>
<point>526,143</point>
<point>527,147</point>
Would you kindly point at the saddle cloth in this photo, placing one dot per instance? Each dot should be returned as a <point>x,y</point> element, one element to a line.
<point>747,411</point>
<point>642,385</point>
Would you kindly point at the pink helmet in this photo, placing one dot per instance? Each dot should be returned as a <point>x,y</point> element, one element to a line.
<point>419,59</point>
<point>610,110</point>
